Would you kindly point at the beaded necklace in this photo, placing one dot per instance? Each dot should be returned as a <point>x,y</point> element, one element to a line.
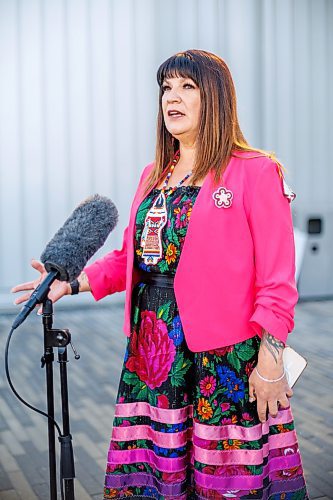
<point>172,168</point>
<point>156,218</point>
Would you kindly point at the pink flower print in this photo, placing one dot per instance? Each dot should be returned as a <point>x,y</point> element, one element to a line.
<point>207,385</point>
<point>114,445</point>
<point>111,467</point>
<point>121,399</point>
<point>176,200</point>
<point>247,417</point>
<point>207,444</point>
<point>173,477</point>
<point>226,421</point>
<point>249,368</point>
<point>183,214</point>
<point>162,401</point>
<point>225,406</point>
<point>208,469</point>
<point>222,351</point>
<point>125,423</point>
<point>231,470</point>
<point>152,351</point>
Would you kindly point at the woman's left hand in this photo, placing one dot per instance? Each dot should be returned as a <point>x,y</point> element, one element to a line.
<point>269,395</point>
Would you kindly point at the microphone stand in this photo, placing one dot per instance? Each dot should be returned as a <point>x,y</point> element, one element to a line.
<point>60,339</point>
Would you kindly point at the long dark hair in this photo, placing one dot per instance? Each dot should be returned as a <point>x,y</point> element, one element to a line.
<point>219,133</point>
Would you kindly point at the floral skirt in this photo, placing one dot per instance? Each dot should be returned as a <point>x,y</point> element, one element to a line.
<point>184,427</point>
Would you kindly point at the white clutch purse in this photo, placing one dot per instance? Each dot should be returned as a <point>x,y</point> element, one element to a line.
<point>294,365</point>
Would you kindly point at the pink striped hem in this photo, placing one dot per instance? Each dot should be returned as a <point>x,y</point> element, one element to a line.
<point>282,440</point>
<point>284,462</point>
<point>247,481</point>
<point>275,441</point>
<point>174,464</point>
<point>218,432</point>
<point>219,482</point>
<point>163,439</point>
<point>231,457</point>
<point>164,415</point>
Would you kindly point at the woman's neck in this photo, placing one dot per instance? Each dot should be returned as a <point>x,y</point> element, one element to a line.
<point>187,156</point>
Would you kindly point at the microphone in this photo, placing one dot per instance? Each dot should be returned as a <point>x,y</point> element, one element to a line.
<point>66,254</point>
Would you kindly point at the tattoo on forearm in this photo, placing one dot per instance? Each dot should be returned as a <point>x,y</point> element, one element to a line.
<point>84,282</point>
<point>272,344</point>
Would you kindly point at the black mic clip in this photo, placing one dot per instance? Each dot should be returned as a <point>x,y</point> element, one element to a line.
<point>54,337</point>
<point>58,338</point>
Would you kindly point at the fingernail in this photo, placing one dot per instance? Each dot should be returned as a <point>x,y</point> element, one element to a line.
<point>38,313</point>
<point>251,400</point>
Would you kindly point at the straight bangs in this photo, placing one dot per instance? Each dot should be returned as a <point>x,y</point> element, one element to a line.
<point>180,65</point>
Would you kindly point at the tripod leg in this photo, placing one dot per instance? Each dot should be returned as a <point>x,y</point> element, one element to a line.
<point>67,458</point>
<point>48,360</point>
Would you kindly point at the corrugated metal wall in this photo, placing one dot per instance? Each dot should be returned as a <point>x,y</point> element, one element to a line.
<point>78,101</point>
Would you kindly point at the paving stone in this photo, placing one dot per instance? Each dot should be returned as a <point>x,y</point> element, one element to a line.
<point>4,479</point>
<point>42,490</point>
<point>21,485</point>
<point>9,495</point>
<point>10,440</point>
<point>313,491</point>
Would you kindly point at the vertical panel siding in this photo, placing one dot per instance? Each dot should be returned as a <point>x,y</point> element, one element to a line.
<point>268,75</point>
<point>125,118</point>
<point>78,101</point>
<point>244,59</point>
<point>144,85</point>
<point>79,98</point>
<point>209,27</point>
<point>329,96</point>
<point>32,126</point>
<point>11,185</point>
<point>284,84</point>
<point>56,115</point>
<point>302,92</point>
<point>318,100</point>
<point>100,97</point>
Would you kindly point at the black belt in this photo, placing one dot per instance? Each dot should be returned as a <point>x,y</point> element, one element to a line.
<point>157,279</point>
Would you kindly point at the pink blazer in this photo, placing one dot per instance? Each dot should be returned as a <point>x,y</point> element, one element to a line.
<point>236,273</point>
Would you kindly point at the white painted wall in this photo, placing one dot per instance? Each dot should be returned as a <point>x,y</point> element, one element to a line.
<point>78,100</point>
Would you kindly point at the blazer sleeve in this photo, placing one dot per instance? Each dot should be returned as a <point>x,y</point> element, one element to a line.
<point>274,252</point>
<point>107,275</point>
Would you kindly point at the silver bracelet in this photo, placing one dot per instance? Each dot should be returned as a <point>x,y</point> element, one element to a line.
<point>268,380</point>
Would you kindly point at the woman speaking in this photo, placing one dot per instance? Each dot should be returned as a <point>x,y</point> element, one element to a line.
<point>208,266</point>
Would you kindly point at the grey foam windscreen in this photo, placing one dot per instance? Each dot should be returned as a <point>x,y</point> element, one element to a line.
<point>83,233</point>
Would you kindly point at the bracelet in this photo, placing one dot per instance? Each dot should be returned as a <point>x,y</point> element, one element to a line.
<point>268,380</point>
<point>75,287</point>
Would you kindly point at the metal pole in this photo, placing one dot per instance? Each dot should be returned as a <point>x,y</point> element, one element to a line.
<point>47,360</point>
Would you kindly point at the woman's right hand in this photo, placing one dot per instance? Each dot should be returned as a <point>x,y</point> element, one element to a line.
<point>58,288</point>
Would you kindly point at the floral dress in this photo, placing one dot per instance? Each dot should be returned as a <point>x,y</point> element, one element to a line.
<point>183,426</point>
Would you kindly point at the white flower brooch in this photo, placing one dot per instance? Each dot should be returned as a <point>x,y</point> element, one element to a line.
<point>223,197</point>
